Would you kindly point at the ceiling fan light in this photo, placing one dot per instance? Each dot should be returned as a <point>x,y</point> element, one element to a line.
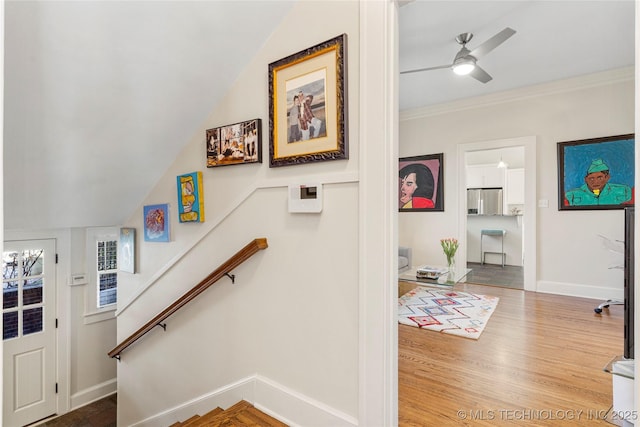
<point>463,66</point>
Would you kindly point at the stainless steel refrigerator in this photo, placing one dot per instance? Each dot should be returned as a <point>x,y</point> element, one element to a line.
<point>484,201</point>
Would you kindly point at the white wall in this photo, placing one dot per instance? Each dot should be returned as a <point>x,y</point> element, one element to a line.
<point>292,315</point>
<point>571,257</point>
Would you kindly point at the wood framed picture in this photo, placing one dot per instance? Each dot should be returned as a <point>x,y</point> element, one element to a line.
<point>596,173</point>
<point>127,250</point>
<point>235,144</point>
<point>190,198</point>
<point>307,105</point>
<point>156,223</point>
<point>420,184</point>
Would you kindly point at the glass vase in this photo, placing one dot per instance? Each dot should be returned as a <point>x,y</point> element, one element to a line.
<point>451,263</point>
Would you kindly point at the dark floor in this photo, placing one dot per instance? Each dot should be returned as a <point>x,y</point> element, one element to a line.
<point>508,276</point>
<point>101,413</point>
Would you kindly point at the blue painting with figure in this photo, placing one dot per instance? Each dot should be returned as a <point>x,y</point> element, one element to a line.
<point>596,173</point>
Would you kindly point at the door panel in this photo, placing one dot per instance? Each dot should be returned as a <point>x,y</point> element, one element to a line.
<point>29,290</point>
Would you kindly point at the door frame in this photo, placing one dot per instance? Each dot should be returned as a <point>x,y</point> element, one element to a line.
<point>63,295</point>
<point>530,195</point>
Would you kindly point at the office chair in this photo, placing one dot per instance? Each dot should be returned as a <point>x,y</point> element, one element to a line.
<point>616,246</point>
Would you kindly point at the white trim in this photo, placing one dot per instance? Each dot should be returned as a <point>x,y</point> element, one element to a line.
<point>600,293</point>
<point>272,398</point>
<point>378,219</point>
<point>212,223</point>
<point>529,92</point>
<point>99,316</point>
<point>92,394</point>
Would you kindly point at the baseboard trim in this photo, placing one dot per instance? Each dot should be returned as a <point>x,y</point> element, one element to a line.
<point>94,393</point>
<point>276,400</point>
<point>578,290</point>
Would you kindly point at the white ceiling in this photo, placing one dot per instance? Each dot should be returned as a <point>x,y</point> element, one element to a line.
<point>554,40</point>
<point>101,96</point>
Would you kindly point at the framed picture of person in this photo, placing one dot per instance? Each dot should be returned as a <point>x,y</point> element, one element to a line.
<point>596,173</point>
<point>420,184</point>
<point>307,108</point>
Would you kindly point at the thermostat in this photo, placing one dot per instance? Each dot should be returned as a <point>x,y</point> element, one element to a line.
<point>305,198</point>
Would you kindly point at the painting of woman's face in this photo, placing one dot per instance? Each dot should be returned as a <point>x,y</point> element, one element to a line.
<point>408,187</point>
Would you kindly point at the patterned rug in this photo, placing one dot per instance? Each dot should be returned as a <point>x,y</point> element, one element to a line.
<point>447,311</point>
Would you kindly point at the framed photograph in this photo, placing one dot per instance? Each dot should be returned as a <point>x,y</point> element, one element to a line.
<point>235,144</point>
<point>420,185</point>
<point>307,105</point>
<point>127,250</point>
<point>596,173</point>
<point>190,198</point>
<point>156,223</point>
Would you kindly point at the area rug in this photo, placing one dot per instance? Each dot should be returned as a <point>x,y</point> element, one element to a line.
<point>447,311</point>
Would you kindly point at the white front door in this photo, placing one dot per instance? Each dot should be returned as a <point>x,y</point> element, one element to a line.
<point>29,322</point>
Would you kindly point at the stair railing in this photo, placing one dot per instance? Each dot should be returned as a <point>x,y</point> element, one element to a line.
<point>224,270</point>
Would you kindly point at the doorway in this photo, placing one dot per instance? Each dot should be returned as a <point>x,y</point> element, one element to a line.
<point>528,144</point>
<point>29,331</point>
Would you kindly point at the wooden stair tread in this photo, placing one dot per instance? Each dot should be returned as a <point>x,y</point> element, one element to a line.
<point>242,414</point>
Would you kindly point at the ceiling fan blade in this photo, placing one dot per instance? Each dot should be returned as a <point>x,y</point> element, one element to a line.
<point>480,75</point>
<point>426,69</point>
<point>492,43</point>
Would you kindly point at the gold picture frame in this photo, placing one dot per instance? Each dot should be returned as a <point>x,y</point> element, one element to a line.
<point>307,105</point>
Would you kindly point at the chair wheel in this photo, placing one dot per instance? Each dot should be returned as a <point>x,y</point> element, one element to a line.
<point>597,310</point>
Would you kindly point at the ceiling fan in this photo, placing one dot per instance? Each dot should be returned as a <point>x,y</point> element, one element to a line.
<point>465,61</point>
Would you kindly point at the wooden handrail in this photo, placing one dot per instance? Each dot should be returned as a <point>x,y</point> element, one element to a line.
<point>242,255</point>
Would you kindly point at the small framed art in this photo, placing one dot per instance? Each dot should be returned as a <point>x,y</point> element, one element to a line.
<point>156,223</point>
<point>307,105</point>
<point>235,144</point>
<point>596,173</point>
<point>420,185</point>
<point>190,198</point>
<point>127,250</point>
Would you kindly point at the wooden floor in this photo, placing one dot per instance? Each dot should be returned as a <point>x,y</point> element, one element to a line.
<point>539,362</point>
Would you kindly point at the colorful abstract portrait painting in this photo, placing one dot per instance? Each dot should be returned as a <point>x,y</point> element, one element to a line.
<point>420,183</point>
<point>156,223</point>
<point>190,198</point>
<point>596,173</point>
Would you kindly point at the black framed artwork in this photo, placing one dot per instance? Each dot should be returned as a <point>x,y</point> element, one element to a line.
<point>420,183</point>
<point>596,173</point>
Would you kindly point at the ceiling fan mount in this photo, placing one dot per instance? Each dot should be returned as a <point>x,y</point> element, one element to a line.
<point>465,61</point>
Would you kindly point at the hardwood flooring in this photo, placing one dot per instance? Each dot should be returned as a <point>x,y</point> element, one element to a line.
<point>539,362</point>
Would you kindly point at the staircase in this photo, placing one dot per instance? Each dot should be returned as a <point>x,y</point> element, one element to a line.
<point>241,414</point>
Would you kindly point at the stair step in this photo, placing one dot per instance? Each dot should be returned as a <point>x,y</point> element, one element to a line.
<point>242,414</point>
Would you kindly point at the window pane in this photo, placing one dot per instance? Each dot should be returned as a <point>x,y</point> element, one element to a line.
<point>10,294</point>
<point>108,289</point>
<point>9,325</point>
<point>32,292</point>
<point>33,261</point>
<point>32,321</point>
<point>9,265</point>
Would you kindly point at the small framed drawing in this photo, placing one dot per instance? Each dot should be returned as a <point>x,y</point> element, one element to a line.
<point>156,223</point>
<point>190,198</point>
<point>596,173</point>
<point>127,250</point>
<point>307,105</point>
<point>235,144</point>
<point>420,185</point>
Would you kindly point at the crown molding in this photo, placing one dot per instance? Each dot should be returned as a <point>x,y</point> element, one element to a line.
<point>559,86</point>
